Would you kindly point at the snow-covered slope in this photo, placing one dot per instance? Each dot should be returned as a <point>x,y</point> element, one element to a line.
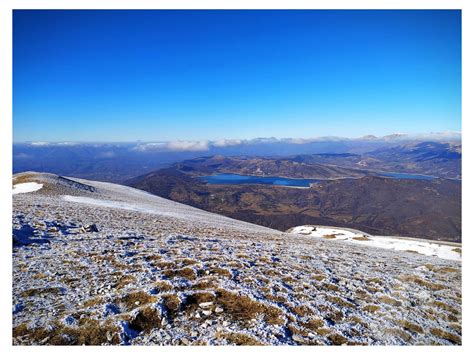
<point>98,263</point>
<point>444,250</point>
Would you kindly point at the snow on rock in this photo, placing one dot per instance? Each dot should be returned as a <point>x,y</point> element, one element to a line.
<point>425,247</point>
<point>26,187</point>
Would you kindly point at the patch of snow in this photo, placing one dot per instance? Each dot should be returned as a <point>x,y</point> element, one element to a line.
<point>118,204</point>
<point>26,187</point>
<point>420,246</point>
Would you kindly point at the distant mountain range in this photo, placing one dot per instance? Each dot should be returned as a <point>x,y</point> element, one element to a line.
<point>118,162</point>
<point>351,196</point>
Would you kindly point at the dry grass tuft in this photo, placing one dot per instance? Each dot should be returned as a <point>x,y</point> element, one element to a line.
<point>421,282</point>
<point>124,280</point>
<point>204,284</point>
<point>318,277</point>
<point>133,300</point>
<point>398,333</point>
<point>389,300</point>
<point>330,287</point>
<point>185,272</point>
<point>244,308</point>
<point>314,324</point>
<point>372,308</point>
<point>447,269</point>
<point>90,332</point>
<point>39,275</point>
<point>238,338</point>
<point>42,291</point>
<point>412,327</point>
<point>221,272</point>
<point>337,339</point>
<point>361,238</point>
<point>301,310</point>
<point>445,307</point>
<point>339,301</point>
<point>171,303</point>
<point>453,338</point>
<point>163,286</point>
<point>93,301</point>
<point>146,319</point>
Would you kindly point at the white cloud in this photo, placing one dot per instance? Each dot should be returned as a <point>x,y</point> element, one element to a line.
<point>439,136</point>
<point>188,146</point>
<point>175,146</point>
<point>227,142</point>
<point>67,143</point>
<point>144,147</point>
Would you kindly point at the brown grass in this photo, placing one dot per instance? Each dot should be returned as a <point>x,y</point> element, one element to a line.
<point>93,301</point>
<point>244,308</point>
<point>172,303</point>
<point>453,338</point>
<point>389,300</point>
<point>422,282</point>
<point>146,319</point>
<point>185,272</point>
<point>301,310</point>
<point>412,327</point>
<point>90,332</point>
<point>164,265</point>
<point>186,261</point>
<point>23,178</point>
<point>330,287</point>
<point>124,280</point>
<point>337,339</point>
<point>131,299</point>
<point>238,338</point>
<point>39,275</point>
<point>446,270</point>
<point>314,324</point>
<point>318,277</point>
<point>361,238</point>
<point>372,308</point>
<point>204,284</point>
<point>445,307</point>
<point>221,272</point>
<point>163,286</point>
<point>339,301</point>
<point>192,301</point>
<point>398,333</point>
<point>275,298</point>
<point>41,291</point>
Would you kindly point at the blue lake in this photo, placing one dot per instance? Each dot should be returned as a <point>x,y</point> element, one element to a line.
<point>235,179</point>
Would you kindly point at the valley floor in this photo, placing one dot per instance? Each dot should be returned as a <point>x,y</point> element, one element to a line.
<point>97,263</point>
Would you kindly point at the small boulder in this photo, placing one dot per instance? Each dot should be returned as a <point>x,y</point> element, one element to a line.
<point>92,228</point>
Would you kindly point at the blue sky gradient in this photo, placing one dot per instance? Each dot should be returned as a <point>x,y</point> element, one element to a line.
<point>192,75</point>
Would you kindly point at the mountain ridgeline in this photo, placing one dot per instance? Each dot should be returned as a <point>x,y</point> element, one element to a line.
<point>348,194</point>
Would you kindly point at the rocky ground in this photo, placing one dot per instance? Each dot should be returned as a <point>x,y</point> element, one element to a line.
<point>97,263</point>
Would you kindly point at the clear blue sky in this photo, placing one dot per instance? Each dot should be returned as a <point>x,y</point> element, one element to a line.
<point>168,75</point>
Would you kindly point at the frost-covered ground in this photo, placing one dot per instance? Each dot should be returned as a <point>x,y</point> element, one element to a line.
<point>450,251</point>
<point>97,263</point>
